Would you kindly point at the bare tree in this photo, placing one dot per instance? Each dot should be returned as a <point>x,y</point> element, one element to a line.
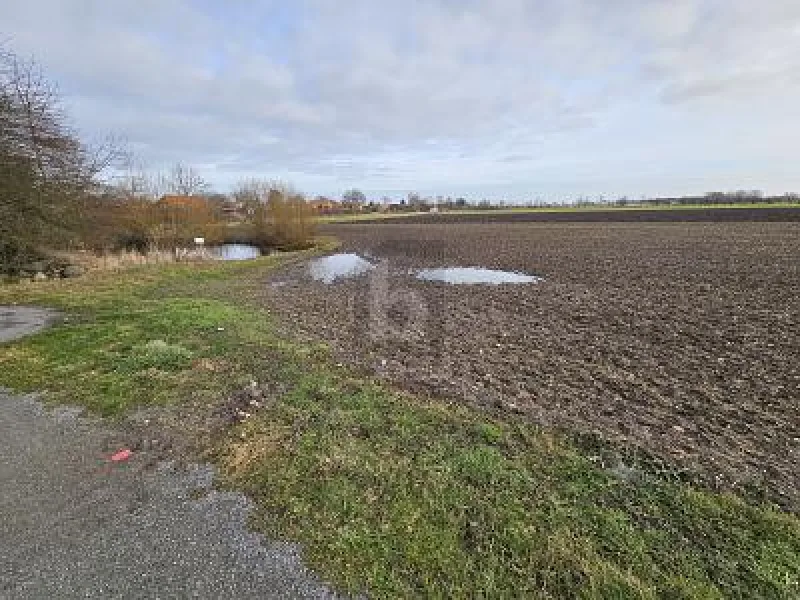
<point>46,172</point>
<point>250,191</point>
<point>415,200</point>
<point>132,181</point>
<point>279,215</point>
<point>186,180</point>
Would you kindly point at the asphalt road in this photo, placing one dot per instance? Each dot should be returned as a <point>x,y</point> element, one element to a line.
<point>74,524</point>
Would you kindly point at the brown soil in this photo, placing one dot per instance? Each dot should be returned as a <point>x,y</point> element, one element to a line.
<point>681,340</point>
<point>613,215</point>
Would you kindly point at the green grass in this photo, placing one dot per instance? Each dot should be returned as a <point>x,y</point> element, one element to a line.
<point>135,337</point>
<point>389,493</point>
<point>410,499</point>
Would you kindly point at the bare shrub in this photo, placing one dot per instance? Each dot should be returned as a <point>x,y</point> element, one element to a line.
<point>279,216</point>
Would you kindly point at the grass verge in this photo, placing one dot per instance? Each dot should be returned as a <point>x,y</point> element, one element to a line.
<point>392,494</point>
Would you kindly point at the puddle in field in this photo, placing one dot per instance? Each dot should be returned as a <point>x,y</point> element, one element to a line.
<point>234,252</point>
<point>475,275</point>
<point>338,266</point>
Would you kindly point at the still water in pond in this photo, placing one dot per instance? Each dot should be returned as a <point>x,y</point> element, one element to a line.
<point>330,268</point>
<point>234,252</point>
<point>475,275</point>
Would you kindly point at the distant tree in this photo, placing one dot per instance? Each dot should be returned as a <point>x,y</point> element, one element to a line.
<point>217,198</point>
<point>278,214</point>
<point>354,199</point>
<point>414,200</point>
<point>250,194</point>
<point>185,180</point>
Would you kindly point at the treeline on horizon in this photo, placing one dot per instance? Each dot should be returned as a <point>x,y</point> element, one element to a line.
<point>745,197</point>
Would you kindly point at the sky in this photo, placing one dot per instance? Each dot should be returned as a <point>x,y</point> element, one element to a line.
<point>503,99</point>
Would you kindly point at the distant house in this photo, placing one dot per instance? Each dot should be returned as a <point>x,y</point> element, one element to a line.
<point>325,206</point>
<point>394,207</point>
<point>185,202</point>
<point>233,210</point>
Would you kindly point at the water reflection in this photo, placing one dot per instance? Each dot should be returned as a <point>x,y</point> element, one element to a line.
<point>330,268</point>
<point>475,275</point>
<point>234,252</point>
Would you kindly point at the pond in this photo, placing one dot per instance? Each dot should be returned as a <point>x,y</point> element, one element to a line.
<point>338,266</point>
<point>234,252</point>
<point>475,275</point>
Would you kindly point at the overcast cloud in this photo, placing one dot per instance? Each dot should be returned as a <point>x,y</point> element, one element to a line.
<point>500,98</point>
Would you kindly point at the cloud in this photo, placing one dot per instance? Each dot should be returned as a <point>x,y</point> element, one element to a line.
<point>521,97</point>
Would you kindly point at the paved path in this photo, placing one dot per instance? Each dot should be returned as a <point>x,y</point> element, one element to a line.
<point>73,524</point>
<point>19,321</point>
